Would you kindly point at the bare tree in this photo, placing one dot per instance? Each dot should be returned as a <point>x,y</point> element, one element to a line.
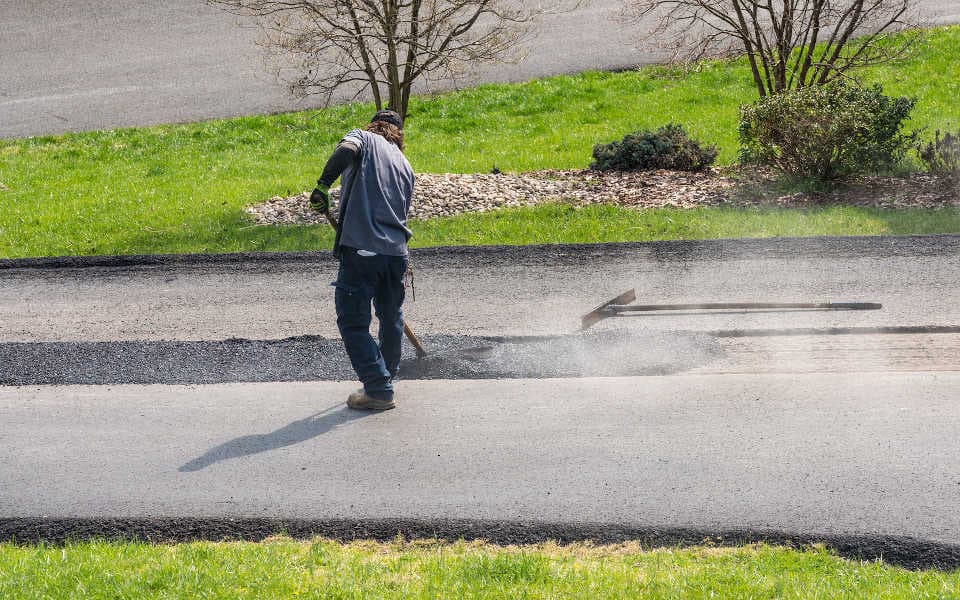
<point>384,45</point>
<point>789,43</point>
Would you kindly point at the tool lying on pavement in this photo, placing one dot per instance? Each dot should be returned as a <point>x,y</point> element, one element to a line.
<point>620,305</point>
<point>421,352</point>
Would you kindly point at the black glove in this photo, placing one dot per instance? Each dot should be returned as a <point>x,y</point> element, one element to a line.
<point>320,199</point>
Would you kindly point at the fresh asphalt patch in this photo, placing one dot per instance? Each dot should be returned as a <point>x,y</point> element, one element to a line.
<point>600,353</point>
<point>903,551</point>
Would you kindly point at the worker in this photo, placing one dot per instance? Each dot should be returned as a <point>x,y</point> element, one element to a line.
<point>371,245</point>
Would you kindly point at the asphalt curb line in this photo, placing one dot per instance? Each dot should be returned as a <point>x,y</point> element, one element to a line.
<point>902,551</point>
<point>907,245</point>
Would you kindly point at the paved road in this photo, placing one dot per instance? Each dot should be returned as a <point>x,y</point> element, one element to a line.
<point>496,292</point>
<point>100,64</point>
<point>837,426</point>
<point>839,455</point>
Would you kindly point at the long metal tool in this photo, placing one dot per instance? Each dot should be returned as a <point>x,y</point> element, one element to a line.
<point>421,352</point>
<point>621,305</point>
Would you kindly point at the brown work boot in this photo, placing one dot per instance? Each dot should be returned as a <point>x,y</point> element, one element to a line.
<point>359,400</point>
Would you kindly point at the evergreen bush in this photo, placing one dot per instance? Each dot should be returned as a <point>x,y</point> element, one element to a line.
<point>826,132</point>
<point>667,148</point>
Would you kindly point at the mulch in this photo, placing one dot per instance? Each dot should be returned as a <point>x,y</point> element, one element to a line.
<point>447,194</point>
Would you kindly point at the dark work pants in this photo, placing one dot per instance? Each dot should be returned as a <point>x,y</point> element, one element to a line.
<point>379,279</point>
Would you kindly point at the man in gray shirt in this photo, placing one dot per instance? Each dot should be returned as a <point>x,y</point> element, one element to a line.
<point>371,243</point>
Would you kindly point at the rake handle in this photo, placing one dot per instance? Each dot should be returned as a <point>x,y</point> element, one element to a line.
<point>618,308</point>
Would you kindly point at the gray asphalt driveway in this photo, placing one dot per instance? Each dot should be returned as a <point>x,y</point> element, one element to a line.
<point>494,291</point>
<point>814,426</point>
<point>862,461</point>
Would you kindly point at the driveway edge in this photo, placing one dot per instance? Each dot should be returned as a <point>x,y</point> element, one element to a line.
<point>907,552</point>
<point>812,247</point>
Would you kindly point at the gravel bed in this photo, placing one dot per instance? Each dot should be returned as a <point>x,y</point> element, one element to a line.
<point>313,358</point>
<point>447,194</point>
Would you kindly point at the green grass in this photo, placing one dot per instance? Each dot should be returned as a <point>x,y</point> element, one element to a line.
<point>181,188</point>
<point>561,223</point>
<point>283,568</point>
<point>564,223</point>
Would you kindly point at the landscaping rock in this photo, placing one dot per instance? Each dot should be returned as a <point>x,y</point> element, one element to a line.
<point>447,194</point>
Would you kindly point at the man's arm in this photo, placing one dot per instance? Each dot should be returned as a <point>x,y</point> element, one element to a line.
<point>342,157</point>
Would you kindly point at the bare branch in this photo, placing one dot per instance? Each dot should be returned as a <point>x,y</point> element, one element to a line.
<point>788,43</point>
<point>387,45</point>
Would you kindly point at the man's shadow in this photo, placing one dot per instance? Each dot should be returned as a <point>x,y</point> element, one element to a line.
<point>294,433</point>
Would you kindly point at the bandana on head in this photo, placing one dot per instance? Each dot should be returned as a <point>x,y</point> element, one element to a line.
<point>388,116</point>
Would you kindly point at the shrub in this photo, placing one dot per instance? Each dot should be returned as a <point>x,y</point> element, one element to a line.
<point>826,132</point>
<point>667,148</point>
<point>942,155</point>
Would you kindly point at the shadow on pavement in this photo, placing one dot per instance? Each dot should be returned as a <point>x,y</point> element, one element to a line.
<point>294,433</point>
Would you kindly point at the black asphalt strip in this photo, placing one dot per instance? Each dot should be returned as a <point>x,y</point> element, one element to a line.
<point>492,256</point>
<point>902,551</point>
<point>313,358</point>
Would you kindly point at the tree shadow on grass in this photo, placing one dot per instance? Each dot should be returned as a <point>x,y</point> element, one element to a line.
<point>294,433</point>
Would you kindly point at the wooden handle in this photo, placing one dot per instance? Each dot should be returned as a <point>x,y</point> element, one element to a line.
<point>331,219</point>
<point>413,340</point>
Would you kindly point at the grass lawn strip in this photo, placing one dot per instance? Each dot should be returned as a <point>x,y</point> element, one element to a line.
<point>560,222</point>
<point>182,188</point>
<point>564,223</point>
<point>284,568</point>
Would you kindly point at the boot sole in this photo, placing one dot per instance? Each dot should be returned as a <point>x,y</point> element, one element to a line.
<point>370,405</point>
